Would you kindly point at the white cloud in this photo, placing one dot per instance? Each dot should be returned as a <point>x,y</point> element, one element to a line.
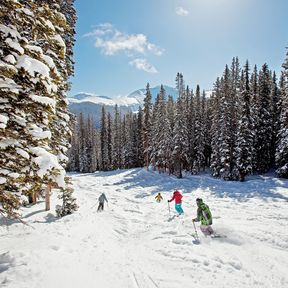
<point>181,11</point>
<point>142,64</point>
<point>112,41</point>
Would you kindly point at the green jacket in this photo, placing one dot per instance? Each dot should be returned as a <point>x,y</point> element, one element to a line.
<point>204,214</point>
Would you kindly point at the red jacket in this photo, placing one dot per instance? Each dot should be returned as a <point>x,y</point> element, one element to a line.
<point>177,197</point>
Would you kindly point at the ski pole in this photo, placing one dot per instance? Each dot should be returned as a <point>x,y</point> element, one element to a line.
<point>195,230</point>
<point>169,209</point>
<point>93,206</point>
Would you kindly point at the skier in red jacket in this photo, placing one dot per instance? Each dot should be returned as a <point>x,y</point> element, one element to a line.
<point>177,196</point>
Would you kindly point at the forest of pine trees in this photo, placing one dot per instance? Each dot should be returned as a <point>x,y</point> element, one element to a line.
<point>37,39</point>
<point>241,129</point>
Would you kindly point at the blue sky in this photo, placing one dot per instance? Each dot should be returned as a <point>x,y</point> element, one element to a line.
<point>123,44</point>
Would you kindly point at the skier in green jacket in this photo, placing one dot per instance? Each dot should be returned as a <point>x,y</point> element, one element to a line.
<point>204,215</point>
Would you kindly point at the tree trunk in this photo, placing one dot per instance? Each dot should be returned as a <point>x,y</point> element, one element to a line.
<point>47,196</point>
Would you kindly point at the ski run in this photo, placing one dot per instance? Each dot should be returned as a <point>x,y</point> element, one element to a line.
<point>134,243</point>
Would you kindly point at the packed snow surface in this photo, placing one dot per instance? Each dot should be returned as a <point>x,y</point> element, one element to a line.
<point>135,243</point>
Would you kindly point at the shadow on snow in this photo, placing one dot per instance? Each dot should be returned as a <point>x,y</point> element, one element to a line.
<point>264,187</point>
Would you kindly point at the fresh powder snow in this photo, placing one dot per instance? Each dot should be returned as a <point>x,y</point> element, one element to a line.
<point>134,242</point>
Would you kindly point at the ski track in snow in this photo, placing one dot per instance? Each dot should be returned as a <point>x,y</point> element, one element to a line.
<point>135,244</point>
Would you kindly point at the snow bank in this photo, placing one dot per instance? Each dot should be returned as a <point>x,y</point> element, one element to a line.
<point>48,162</point>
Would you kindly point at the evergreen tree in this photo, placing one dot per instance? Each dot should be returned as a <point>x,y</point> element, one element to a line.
<point>83,161</point>
<point>73,154</point>
<point>264,130</point>
<point>109,141</point>
<point>275,111</point>
<point>36,120</point>
<point>244,141</point>
<point>207,128</point>
<point>103,141</point>
<point>199,157</point>
<point>129,141</point>
<point>191,130</point>
<point>225,138</point>
<point>116,139</point>
<point>180,86</point>
<point>147,111</point>
<point>282,147</point>
<point>169,127</point>
<point>139,139</point>
<point>180,143</point>
<point>159,130</point>
<point>254,115</point>
<point>215,129</point>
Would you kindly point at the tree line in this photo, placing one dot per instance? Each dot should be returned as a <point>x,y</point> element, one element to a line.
<point>240,129</point>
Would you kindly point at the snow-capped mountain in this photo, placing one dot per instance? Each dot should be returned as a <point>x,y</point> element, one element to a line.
<point>91,104</point>
<point>140,94</point>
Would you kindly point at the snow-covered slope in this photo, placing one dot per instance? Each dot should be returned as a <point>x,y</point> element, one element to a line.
<point>133,243</point>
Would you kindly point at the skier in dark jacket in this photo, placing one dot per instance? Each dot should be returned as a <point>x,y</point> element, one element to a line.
<point>101,200</point>
<point>204,215</point>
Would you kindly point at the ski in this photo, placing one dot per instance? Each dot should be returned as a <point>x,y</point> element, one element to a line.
<point>215,236</point>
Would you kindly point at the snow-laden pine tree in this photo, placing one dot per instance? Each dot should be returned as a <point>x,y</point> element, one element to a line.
<point>83,155</point>
<point>139,139</point>
<point>282,144</point>
<point>199,158</point>
<point>159,131</point>
<point>191,130</point>
<point>73,153</point>
<point>103,141</point>
<point>34,71</point>
<point>207,102</point>
<point>184,98</point>
<point>215,129</point>
<point>83,138</point>
<point>170,109</point>
<point>109,141</point>
<point>180,141</point>
<point>244,137</point>
<point>129,141</point>
<point>264,129</point>
<point>254,115</point>
<point>90,135</point>
<point>147,123</point>
<point>180,86</point>
<point>275,111</point>
<point>116,140</point>
<point>225,135</point>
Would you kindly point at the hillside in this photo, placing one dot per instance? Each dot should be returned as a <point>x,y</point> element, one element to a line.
<point>135,243</point>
